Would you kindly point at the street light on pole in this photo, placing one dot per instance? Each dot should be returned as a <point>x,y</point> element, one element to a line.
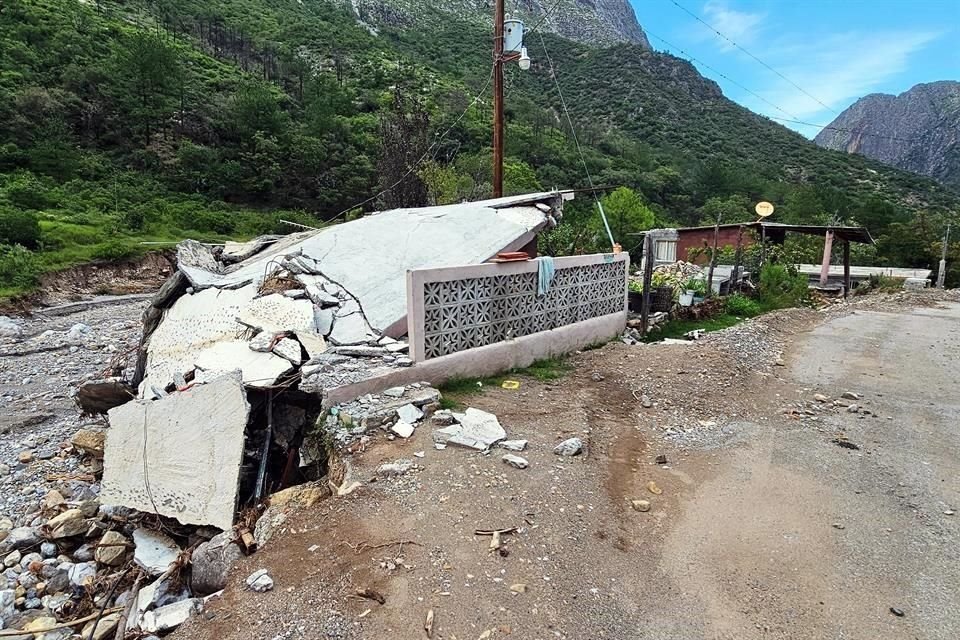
<point>507,47</point>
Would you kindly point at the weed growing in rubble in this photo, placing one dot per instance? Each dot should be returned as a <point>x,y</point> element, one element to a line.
<point>454,392</point>
<point>740,305</point>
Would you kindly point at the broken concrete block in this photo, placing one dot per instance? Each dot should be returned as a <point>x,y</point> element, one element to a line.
<point>409,413</point>
<point>257,369</point>
<point>393,392</point>
<point>194,448</point>
<point>288,349</point>
<point>323,320</point>
<point>349,329</point>
<point>398,468</point>
<point>513,445</point>
<point>193,322</point>
<point>277,314</point>
<point>476,430</point>
<point>170,616</point>
<point>262,342</point>
<point>260,581</point>
<point>402,429</point>
<point>89,441</point>
<point>294,294</point>
<point>313,343</point>
<point>154,551</point>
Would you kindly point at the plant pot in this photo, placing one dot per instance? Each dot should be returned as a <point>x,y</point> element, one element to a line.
<point>698,299</point>
<point>635,301</point>
<point>686,298</point>
<point>662,299</point>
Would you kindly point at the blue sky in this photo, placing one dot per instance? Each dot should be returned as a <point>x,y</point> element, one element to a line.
<point>834,50</point>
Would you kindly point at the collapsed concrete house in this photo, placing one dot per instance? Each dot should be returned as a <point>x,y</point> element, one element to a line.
<point>247,344</point>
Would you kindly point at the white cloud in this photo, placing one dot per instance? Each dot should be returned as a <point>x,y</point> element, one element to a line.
<point>836,69</point>
<point>740,26</point>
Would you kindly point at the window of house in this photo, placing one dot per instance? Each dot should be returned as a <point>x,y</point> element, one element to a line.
<point>666,251</point>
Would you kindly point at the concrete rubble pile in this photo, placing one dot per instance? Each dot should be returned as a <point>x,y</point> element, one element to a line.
<point>230,406</point>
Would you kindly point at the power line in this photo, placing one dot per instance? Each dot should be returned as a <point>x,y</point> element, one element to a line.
<point>792,119</point>
<point>721,74</point>
<point>543,18</point>
<point>433,145</point>
<point>573,132</point>
<point>758,60</point>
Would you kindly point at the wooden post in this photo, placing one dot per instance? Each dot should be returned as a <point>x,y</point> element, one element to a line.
<point>498,12</point>
<point>647,278</point>
<point>846,268</point>
<point>738,258</point>
<point>763,244</point>
<point>713,257</point>
<point>942,270</point>
<point>825,264</point>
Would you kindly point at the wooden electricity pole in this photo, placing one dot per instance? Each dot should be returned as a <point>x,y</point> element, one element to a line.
<point>942,271</point>
<point>498,17</point>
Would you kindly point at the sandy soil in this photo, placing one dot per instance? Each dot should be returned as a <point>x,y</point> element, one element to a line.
<point>765,527</point>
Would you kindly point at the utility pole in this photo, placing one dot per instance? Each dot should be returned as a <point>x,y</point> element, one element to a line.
<point>507,47</point>
<point>498,12</point>
<point>942,273</point>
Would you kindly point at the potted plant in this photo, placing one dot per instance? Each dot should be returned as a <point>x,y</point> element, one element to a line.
<point>662,298</point>
<point>699,288</point>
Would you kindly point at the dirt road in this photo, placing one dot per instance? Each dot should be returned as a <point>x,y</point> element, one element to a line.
<point>766,528</point>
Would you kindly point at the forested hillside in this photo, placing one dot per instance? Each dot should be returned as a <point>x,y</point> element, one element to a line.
<point>157,120</point>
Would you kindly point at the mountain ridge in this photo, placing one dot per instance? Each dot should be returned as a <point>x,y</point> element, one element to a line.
<point>917,130</point>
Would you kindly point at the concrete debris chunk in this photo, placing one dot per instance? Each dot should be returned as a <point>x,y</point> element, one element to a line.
<point>154,551</point>
<point>275,313</point>
<point>349,329</point>
<point>476,430</point>
<point>201,430</point>
<point>170,616</point>
<point>443,418</point>
<point>262,342</point>
<point>322,320</point>
<point>513,445</point>
<point>288,349</point>
<point>515,461</point>
<point>402,429</point>
<point>397,468</point>
<point>313,343</point>
<point>409,413</point>
<point>393,392</point>
<point>260,581</point>
<point>257,369</point>
<point>569,447</point>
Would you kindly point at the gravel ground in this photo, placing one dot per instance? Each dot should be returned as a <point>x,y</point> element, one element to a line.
<point>39,374</point>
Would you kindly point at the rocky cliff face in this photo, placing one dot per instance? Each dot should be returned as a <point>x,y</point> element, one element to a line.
<point>918,130</point>
<point>597,22</point>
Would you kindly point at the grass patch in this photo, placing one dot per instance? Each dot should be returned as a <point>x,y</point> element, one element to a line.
<point>454,393</point>
<point>677,328</point>
<point>544,370</point>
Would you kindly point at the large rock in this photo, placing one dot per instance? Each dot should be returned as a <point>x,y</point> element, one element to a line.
<point>66,525</point>
<point>89,441</point>
<point>476,430</point>
<point>105,628</point>
<point>569,447</point>
<point>154,551</point>
<point>212,562</point>
<point>112,549</point>
<point>10,329</point>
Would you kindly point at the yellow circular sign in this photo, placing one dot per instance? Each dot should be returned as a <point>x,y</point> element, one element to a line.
<point>764,209</point>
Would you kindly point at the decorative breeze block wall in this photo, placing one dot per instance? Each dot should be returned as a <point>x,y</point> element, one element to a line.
<point>462,308</point>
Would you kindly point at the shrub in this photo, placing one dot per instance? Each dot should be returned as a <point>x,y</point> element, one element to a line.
<point>115,250</point>
<point>19,267</point>
<point>740,305</point>
<point>19,227</point>
<point>782,287</point>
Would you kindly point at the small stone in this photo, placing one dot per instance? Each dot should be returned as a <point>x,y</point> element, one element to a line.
<point>949,512</point>
<point>853,408</point>
<point>391,469</point>
<point>105,628</point>
<point>513,445</point>
<point>653,488</point>
<point>89,442</point>
<point>83,573</point>
<point>112,549</point>
<point>170,616</point>
<point>394,392</point>
<point>838,525</point>
<point>661,459</point>
<point>49,550</point>
<point>518,588</point>
<point>597,377</point>
<point>154,551</point>
<point>850,395</point>
<point>897,612</point>
<point>515,461</point>
<point>641,505</point>
<point>646,402</point>
<point>819,397</point>
<point>53,500</point>
<point>260,581</point>
<point>12,559</point>
<point>569,447</point>
<point>25,457</point>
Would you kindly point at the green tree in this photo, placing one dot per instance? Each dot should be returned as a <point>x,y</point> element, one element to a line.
<point>626,214</point>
